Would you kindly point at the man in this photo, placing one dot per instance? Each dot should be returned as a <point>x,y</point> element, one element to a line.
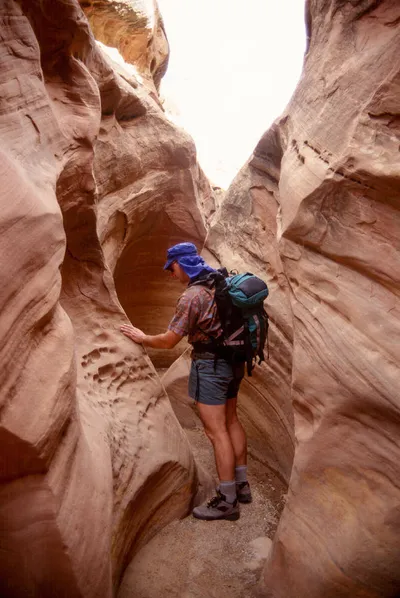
<point>213,382</point>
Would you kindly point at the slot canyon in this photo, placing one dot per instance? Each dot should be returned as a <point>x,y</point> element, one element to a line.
<point>102,454</point>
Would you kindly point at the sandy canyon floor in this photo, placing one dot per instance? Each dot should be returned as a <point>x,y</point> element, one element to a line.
<point>209,559</point>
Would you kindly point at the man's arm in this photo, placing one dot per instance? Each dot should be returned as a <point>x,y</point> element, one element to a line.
<point>166,340</point>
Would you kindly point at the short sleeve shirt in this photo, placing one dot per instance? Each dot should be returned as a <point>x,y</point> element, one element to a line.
<point>196,315</point>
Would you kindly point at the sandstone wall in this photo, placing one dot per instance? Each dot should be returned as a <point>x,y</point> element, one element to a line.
<point>136,29</point>
<point>90,171</point>
<point>338,229</point>
<point>96,184</point>
<point>242,238</point>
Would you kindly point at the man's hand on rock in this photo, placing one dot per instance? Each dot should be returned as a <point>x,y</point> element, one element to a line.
<point>135,334</point>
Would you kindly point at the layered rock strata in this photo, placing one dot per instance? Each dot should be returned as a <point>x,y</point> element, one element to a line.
<point>243,239</point>
<point>95,181</point>
<point>332,162</point>
<point>136,29</point>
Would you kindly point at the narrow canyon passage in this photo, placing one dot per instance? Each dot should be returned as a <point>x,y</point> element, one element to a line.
<point>102,452</point>
<point>191,557</point>
<point>204,559</point>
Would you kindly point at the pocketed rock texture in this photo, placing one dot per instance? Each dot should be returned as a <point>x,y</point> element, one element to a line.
<point>331,163</point>
<point>94,181</point>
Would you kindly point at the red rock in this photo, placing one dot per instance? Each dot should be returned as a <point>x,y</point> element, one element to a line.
<point>334,158</point>
<point>93,460</point>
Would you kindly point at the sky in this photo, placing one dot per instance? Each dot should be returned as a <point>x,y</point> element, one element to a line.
<point>233,67</point>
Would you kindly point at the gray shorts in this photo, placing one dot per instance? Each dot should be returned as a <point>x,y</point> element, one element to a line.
<point>214,386</point>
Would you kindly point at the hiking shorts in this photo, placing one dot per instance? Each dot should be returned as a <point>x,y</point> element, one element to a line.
<point>214,385</point>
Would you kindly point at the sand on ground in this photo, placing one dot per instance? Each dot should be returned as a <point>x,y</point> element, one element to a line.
<point>210,559</point>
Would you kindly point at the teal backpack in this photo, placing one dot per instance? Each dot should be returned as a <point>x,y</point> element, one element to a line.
<point>240,304</point>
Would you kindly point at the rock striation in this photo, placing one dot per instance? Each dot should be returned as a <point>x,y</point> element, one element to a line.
<point>331,163</point>
<point>136,29</point>
<point>96,183</point>
<point>242,238</point>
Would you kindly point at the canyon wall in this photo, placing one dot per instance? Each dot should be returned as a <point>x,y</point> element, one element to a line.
<point>242,238</point>
<point>95,184</point>
<point>332,163</point>
<point>136,29</point>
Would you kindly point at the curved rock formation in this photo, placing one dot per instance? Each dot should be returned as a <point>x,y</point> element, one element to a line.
<point>136,29</point>
<point>96,184</point>
<point>243,238</point>
<point>87,433</point>
<point>332,162</point>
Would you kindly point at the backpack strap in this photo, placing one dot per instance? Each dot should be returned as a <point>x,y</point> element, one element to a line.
<point>247,348</point>
<point>214,346</point>
<point>266,338</point>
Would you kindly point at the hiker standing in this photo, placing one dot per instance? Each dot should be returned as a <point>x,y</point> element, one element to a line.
<point>214,380</point>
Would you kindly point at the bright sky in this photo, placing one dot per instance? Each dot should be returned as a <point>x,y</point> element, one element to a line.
<point>233,67</point>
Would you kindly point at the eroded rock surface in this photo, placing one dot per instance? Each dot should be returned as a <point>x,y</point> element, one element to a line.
<point>96,184</point>
<point>95,181</point>
<point>243,239</point>
<point>136,29</point>
<point>332,163</point>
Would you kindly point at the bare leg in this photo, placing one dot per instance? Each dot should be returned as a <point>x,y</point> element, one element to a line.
<point>214,422</point>
<point>236,433</point>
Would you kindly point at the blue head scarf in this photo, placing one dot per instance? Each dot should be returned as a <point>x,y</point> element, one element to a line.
<point>189,260</point>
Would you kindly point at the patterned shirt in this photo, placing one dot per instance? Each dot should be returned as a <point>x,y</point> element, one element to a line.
<point>196,315</point>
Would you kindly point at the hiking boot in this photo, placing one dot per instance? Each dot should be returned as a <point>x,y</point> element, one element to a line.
<point>243,492</point>
<point>218,508</point>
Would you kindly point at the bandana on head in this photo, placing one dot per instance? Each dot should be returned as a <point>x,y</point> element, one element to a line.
<point>189,260</point>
